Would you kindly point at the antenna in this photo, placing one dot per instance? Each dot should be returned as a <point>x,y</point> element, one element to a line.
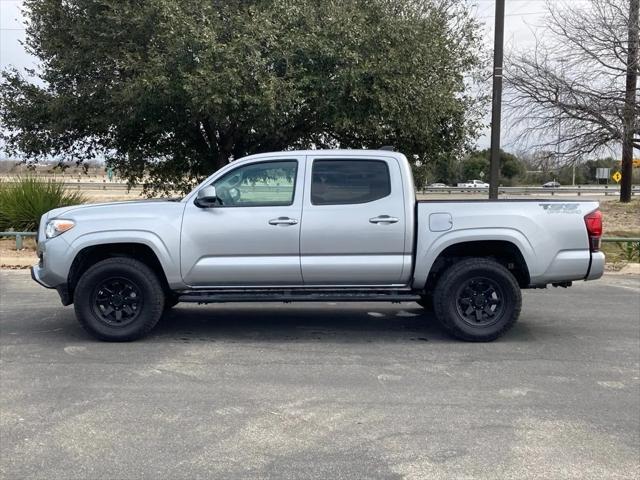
<point>388,148</point>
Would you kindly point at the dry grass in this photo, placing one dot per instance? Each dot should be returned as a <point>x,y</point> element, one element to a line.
<point>8,247</point>
<point>97,196</point>
<point>621,219</point>
<point>12,258</point>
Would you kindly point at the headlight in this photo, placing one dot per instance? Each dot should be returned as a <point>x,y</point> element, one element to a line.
<point>57,226</point>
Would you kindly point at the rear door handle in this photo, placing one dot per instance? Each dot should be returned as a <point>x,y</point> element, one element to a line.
<point>283,221</point>
<point>384,219</point>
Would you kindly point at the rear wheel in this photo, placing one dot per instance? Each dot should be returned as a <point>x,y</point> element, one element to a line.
<point>477,299</point>
<point>119,299</point>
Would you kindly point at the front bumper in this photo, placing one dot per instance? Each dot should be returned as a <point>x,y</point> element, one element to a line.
<point>55,260</point>
<point>62,289</point>
<point>36,275</point>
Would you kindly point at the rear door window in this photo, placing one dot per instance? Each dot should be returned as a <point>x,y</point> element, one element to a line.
<point>344,182</point>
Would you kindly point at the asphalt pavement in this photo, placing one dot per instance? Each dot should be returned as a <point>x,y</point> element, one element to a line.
<point>323,391</point>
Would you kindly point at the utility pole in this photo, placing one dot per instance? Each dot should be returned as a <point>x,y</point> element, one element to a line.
<point>629,103</point>
<point>496,104</point>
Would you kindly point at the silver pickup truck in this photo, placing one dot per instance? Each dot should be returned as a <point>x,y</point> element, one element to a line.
<point>334,225</point>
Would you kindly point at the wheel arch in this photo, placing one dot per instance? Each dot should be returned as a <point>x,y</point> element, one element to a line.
<point>505,252</point>
<point>92,254</point>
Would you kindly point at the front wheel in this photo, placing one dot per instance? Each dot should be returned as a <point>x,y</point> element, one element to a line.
<point>119,299</point>
<point>477,299</point>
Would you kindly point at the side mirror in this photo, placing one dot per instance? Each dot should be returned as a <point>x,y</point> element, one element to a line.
<point>206,197</point>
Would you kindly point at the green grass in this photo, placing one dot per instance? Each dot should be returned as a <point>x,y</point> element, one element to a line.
<point>622,252</point>
<point>25,200</point>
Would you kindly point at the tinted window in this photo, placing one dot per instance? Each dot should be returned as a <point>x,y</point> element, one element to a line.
<point>258,185</point>
<point>340,182</point>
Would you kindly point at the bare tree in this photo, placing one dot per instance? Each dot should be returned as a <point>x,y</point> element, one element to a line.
<point>568,93</point>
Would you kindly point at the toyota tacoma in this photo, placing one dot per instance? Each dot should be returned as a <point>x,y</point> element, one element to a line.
<point>328,226</point>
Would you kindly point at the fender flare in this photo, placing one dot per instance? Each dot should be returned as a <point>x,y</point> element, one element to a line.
<point>432,250</point>
<point>170,265</point>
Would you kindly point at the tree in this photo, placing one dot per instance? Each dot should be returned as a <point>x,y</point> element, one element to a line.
<point>170,90</point>
<point>510,166</point>
<point>569,93</point>
<point>590,167</point>
<point>475,166</point>
<point>477,163</point>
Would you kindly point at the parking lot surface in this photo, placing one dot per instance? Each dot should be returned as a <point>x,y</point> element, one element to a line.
<point>324,391</point>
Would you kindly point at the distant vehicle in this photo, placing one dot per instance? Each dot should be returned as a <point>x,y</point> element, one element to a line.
<point>326,226</point>
<point>473,184</point>
<point>438,185</point>
<point>553,184</point>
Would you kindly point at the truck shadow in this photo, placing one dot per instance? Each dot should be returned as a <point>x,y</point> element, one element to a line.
<point>342,323</point>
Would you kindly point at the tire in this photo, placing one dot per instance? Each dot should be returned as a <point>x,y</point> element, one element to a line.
<point>121,285</point>
<point>477,300</point>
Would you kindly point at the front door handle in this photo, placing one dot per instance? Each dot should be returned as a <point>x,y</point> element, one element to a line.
<point>384,219</point>
<point>283,221</point>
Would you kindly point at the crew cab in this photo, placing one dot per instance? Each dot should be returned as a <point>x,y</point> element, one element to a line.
<point>332,225</point>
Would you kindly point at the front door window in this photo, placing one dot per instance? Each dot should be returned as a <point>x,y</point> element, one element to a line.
<point>267,184</point>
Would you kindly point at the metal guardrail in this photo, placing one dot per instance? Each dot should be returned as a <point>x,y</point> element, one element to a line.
<point>19,237</point>
<point>578,190</point>
<point>101,186</point>
<point>81,184</point>
<point>621,239</point>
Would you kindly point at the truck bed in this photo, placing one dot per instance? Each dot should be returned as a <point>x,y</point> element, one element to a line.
<point>550,234</point>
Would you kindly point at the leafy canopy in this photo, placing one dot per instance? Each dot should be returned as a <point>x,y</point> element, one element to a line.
<point>170,90</point>
<point>476,165</point>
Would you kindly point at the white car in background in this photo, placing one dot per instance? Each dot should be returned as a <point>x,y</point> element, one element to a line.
<point>474,184</point>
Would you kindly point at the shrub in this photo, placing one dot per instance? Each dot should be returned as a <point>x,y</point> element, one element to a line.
<point>631,251</point>
<point>25,200</point>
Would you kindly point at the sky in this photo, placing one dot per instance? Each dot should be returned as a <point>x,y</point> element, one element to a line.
<point>522,18</point>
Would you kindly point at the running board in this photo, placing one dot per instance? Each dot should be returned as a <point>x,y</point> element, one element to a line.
<point>297,296</point>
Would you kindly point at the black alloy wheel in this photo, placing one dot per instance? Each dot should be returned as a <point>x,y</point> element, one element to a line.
<point>480,301</point>
<point>477,299</point>
<point>117,301</point>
